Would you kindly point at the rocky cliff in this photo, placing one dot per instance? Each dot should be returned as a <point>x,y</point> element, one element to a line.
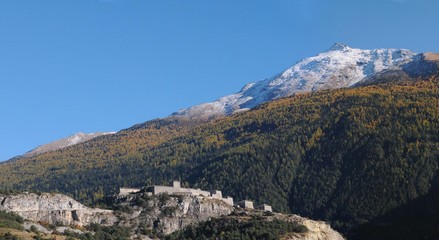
<point>165,214</point>
<point>56,209</point>
<point>147,215</point>
<point>317,230</point>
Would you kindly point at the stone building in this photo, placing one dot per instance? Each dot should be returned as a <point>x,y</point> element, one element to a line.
<point>246,204</point>
<point>176,189</point>
<point>265,207</point>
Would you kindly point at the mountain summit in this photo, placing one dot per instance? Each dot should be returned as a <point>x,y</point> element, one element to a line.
<point>339,66</point>
<point>65,142</point>
<point>339,47</point>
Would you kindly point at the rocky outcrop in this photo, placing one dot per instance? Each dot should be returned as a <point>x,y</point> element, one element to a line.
<point>147,215</point>
<point>317,230</point>
<point>54,209</point>
<point>166,214</point>
<point>423,65</point>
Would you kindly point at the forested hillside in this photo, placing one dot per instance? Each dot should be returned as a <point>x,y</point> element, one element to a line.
<point>347,155</point>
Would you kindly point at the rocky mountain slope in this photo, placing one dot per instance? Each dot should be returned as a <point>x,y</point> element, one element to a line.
<point>147,215</point>
<point>338,67</point>
<point>65,142</point>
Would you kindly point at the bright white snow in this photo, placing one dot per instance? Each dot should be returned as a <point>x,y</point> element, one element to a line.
<point>338,67</point>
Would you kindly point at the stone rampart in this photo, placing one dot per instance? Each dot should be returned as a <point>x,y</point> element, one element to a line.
<point>176,189</point>
<point>126,191</point>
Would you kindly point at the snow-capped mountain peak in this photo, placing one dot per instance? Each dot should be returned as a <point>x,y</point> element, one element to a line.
<point>340,66</point>
<point>338,47</point>
<point>65,142</point>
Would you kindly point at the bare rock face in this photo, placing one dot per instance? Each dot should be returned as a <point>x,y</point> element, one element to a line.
<point>147,215</point>
<point>317,230</point>
<point>54,209</point>
<point>423,65</point>
<point>165,215</point>
<point>169,214</point>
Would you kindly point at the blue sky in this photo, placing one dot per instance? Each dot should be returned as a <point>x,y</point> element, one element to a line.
<point>103,65</point>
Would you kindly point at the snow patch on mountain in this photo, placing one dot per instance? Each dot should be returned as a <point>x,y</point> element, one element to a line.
<point>65,142</point>
<point>340,66</point>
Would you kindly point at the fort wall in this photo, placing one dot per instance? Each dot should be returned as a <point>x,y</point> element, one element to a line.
<point>178,190</point>
<point>126,191</point>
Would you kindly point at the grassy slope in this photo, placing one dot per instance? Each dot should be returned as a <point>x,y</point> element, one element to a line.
<point>24,235</point>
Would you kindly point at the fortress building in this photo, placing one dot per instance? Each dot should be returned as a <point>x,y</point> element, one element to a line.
<point>246,204</point>
<point>176,189</point>
<point>265,207</point>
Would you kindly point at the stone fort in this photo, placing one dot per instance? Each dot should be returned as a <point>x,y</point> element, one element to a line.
<point>176,189</point>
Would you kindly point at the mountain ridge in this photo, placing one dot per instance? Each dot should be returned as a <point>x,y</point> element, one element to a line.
<point>347,155</point>
<point>339,66</point>
<point>327,154</point>
<point>65,142</point>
